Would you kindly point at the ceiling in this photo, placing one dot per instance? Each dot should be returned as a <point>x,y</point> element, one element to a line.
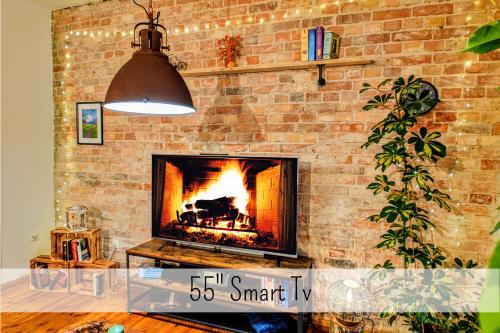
<point>58,4</point>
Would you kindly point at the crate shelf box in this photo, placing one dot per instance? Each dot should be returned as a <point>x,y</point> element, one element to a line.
<point>45,272</point>
<point>57,236</point>
<point>95,276</point>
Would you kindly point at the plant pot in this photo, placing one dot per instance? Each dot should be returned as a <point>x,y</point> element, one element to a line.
<point>230,63</point>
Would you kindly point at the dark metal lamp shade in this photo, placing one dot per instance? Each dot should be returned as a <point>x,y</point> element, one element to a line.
<point>148,83</point>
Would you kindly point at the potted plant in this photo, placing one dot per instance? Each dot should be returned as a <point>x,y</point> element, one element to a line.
<point>228,49</point>
<point>406,153</point>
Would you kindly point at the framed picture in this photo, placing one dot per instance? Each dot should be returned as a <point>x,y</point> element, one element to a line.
<point>89,123</point>
<point>335,45</point>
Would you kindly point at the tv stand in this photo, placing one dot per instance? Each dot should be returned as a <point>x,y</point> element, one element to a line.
<point>181,256</point>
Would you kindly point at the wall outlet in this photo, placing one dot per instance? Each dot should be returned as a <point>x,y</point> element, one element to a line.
<point>116,243</point>
<point>35,237</point>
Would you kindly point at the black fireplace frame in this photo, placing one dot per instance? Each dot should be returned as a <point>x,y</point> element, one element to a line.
<point>158,176</point>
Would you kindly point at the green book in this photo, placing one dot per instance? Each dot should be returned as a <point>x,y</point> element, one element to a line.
<point>327,45</point>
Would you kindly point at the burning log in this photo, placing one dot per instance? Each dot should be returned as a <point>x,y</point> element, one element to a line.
<point>220,204</point>
<point>220,213</point>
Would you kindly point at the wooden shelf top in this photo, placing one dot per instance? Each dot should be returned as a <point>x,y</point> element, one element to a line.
<point>297,65</point>
<point>168,251</point>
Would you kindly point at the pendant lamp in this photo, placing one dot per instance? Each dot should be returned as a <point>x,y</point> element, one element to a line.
<point>149,83</point>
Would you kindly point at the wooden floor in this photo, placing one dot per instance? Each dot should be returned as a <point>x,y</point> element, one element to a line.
<point>15,296</point>
<point>52,322</point>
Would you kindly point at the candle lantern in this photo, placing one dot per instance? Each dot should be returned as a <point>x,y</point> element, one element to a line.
<point>76,218</point>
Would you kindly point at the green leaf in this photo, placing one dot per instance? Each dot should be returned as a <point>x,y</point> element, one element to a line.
<point>495,229</point>
<point>485,39</point>
<point>425,145</point>
<point>376,136</point>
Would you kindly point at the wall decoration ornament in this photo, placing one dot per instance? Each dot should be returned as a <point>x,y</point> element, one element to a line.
<point>420,97</point>
<point>89,123</point>
<point>229,49</point>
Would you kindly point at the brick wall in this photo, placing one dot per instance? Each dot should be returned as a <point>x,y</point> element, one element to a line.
<point>283,113</point>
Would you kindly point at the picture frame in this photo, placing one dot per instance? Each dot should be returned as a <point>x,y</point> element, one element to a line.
<point>89,123</point>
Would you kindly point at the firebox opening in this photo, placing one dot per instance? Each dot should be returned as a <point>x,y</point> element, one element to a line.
<point>230,202</point>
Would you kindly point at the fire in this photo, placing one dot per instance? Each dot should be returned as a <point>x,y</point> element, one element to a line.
<point>231,183</point>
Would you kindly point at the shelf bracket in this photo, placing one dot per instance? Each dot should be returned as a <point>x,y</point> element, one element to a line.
<point>321,80</point>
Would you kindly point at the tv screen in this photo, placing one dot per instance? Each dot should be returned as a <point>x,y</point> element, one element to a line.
<point>246,203</point>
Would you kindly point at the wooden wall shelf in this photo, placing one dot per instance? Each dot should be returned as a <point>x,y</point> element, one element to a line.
<point>297,65</point>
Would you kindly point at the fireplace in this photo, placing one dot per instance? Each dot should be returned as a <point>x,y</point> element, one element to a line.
<point>222,201</point>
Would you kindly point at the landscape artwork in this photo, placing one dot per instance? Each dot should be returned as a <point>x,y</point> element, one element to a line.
<point>89,123</point>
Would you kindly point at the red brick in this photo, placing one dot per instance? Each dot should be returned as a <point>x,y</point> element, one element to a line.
<point>489,164</point>
<point>428,10</point>
<point>481,199</point>
<point>391,14</point>
<point>412,35</point>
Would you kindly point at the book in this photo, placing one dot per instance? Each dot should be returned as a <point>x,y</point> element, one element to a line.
<point>74,250</point>
<point>327,45</point>
<point>320,32</point>
<point>35,278</point>
<point>44,277</point>
<point>66,246</point>
<point>58,281</point>
<point>83,249</point>
<point>98,284</point>
<point>311,44</point>
<point>304,44</point>
<point>149,273</point>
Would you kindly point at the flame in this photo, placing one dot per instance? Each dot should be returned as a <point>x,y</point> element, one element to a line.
<point>231,183</point>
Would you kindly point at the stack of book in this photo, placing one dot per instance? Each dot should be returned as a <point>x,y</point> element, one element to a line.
<point>318,44</point>
<point>41,279</point>
<point>75,249</point>
<point>149,272</point>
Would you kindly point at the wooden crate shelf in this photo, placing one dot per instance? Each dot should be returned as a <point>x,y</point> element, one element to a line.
<point>71,269</point>
<point>45,266</point>
<point>93,236</point>
<point>297,65</point>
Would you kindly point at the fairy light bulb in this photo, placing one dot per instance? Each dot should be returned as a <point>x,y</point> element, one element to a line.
<point>250,19</point>
<point>176,30</point>
<point>468,18</point>
<point>85,33</point>
<point>78,33</point>
<point>107,34</point>
<point>323,6</point>
<point>468,63</point>
<point>124,33</point>
<point>228,23</point>
<point>186,29</point>
<point>297,11</point>
<point>207,25</point>
<point>285,16</point>
<point>261,20</point>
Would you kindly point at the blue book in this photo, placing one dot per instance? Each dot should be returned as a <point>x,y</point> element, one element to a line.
<point>312,45</point>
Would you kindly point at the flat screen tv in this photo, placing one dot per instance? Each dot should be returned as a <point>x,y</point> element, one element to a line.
<point>243,203</point>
